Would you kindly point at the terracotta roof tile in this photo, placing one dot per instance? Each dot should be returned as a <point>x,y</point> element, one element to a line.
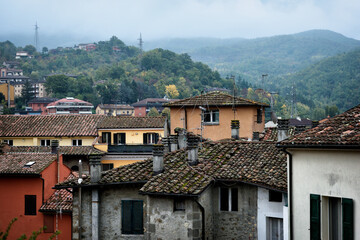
<point>60,200</point>
<point>66,150</point>
<point>14,163</point>
<point>259,163</point>
<point>111,122</point>
<point>49,125</point>
<point>214,99</point>
<point>341,130</point>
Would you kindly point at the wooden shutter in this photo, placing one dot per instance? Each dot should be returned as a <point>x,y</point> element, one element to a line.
<point>145,138</point>
<point>314,217</point>
<point>123,138</point>
<point>137,217</point>
<point>126,216</point>
<point>234,199</point>
<point>116,139</point>
<point>348,219</point>
<point>224,199</point>
<point>156,138</point>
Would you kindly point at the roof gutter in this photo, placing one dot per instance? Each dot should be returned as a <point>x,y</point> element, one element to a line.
<point>98,185</point>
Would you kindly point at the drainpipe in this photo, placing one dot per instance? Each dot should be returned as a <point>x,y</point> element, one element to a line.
<point>80,206</point>
<point>290,197</point>
<point>202,209</point>
<point>95,173</point>
<point>54,150</point>
<point>8,95</point>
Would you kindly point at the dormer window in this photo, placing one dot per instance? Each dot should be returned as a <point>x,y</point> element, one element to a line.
<point>29,164</point>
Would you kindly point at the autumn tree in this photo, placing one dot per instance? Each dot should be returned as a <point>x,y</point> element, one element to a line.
<point>153,112</point>
<point>171,91</point>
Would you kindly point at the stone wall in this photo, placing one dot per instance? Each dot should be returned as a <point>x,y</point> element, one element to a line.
<point>241,224</point>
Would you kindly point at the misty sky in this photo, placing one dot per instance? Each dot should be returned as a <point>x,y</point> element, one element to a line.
<point>100,19</point>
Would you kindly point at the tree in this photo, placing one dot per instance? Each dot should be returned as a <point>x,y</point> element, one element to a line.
<point>171,91</point>
<point>57,85</point>
<point>153,112</point>
<point>27,92</point>
<point>30,49</point>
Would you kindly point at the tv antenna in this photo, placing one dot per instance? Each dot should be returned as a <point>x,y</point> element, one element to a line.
<point>36,36</point>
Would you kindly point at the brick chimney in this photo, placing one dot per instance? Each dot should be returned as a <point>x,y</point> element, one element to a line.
<point>54,146</point>
<point>235,126</point>
<point>166,142</point>
<point>283,127</point>
<point>192,146</point>
<point>173,142</point>
<point>158,159</point>
<point>182,138</point>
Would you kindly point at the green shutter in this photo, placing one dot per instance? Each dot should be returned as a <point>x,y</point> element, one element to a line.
<point>123,138</point>
<point>137,217</point>
<point>144,138</point>
<point>116,139</point>
<point>156,138</point>
<point>126,206</point>
<point>348,219</point>
<point>315,217</point>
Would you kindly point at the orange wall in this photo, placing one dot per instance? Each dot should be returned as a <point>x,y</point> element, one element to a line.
<point>12,204</point>
<point>246,115</point>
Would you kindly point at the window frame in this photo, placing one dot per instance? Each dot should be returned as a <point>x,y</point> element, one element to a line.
<point>228,199</point>
<point>179,204</point>
<point>118,137</point>
<point>9,142</point>
<point>106,137</point>
<point>259,115</point>
<point>78,142</point>
<point>150,138</point>
<point>106,166</point>
<point>45,142</point>
<point>211,117</point>
<point>275,196</point>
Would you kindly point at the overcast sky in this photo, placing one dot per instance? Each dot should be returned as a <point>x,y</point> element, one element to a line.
<point>100,19</point>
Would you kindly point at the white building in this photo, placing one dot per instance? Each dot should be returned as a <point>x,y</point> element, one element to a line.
<point>324,179</point>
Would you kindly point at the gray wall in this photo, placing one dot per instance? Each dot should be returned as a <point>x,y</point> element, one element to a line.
<point>241,224</point>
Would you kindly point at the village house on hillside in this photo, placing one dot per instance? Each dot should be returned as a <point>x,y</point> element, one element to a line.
<point>324,189</point>
<point>115,110</point>
<point>143,107</point>
<point>69,105</point>
<point>209,114</point>
<point>223,190</point>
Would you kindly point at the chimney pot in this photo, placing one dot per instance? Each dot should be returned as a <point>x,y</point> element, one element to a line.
<point>235,125</point>
<point>158,158</point>
<point>283,127</point>
<point>173,142</point>
<point>192,145</point>
<point>95,168</point>
<point>54,146</point>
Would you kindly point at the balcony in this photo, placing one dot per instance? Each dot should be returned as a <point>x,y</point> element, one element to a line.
<point>139,148</point>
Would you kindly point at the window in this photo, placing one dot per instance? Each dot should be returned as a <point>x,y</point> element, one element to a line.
<point>150,138</point>
<point>49,223</point>
<point>120,138</point>
<point>9,142</point>
<point>331,217</point>
<point>274,229</point>
<point>179,204</point>
<point>228,199</point>
<point>106,137</point>
<point>132,217</point>
<point>107,166</point>
<point>30,204</point>
<point>77,142</point>
<point>211,116</point>
<point>275,196</point>
<point>259,116</point>
<point>45,142</point>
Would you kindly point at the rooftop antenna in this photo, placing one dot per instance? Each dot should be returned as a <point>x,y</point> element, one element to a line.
<point>36,36</point>
<point>233,105</point>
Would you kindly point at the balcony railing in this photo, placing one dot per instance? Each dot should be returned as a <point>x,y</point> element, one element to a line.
<point>130,148</point>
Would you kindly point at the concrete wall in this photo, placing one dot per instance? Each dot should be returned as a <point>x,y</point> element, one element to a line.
<point>165,223</point>
<point>331,173</point>
<point>246,115</point>
<point>206,200</point>
<point>267,209</point>
<point>241,224</point>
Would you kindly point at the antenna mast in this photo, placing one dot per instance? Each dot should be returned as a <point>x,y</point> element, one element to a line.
<point>36,36</point>
<point>141,43</point>
<point>233,105</point>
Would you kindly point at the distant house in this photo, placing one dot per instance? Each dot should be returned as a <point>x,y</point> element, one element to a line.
<point>22,54</point>
<point>69,105</point>
<point>38,87</point>
<point>27,179</point>
<point>225,190</point>
<point>324,193</point>
<point>209,114</point>
<point>143,107</point>
<point>86,46</point>
<point>40,103</point>
<point>115,110</point>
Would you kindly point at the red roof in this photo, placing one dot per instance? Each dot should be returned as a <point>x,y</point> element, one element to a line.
<point>68,100</point>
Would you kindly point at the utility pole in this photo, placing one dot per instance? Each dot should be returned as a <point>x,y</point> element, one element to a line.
<point>36,36</point>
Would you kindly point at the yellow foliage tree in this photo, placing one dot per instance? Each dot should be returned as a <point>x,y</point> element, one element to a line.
<point>171,91</point>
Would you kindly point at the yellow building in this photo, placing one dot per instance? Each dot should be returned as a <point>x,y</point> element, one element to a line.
<point>4,90</point>
<point>210,114</point>
<point>128,139</point>
<point>115,110</point>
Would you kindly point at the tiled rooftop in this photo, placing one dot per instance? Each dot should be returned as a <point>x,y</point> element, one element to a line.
<point>66,150</point>
<point>15,163</point>
<point>111,122</point>
<point>115,106</point>
<point>49,125</point>
<point>146,101</point>
<point>61,199</point>
<point>342,130</point>
<point>259,163</point>
<point>214,99</point>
